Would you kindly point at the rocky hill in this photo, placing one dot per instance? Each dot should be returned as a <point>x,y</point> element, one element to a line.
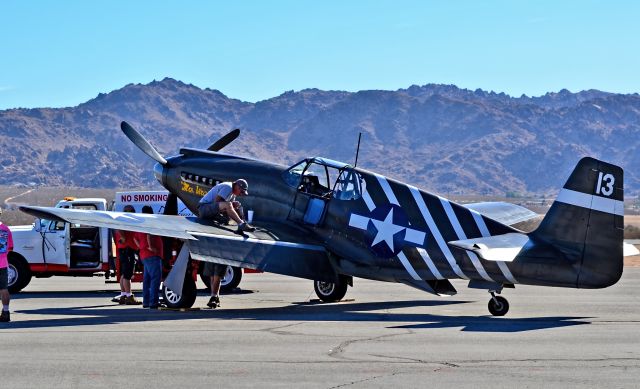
<point>439,137</point>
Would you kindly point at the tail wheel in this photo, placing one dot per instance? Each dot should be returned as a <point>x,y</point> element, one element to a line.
<point>330,292</point>
<point>498,306</point>
<point>19,273</point>
<point>185,300</point>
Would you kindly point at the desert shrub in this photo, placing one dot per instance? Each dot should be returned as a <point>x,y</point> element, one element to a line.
<point>631,232</point>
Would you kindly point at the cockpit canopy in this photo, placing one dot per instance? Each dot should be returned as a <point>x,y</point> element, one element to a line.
<point>325,178</point>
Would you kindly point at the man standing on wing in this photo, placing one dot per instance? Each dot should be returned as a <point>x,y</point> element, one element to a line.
<point>6,245</point>
<point>222,199</point>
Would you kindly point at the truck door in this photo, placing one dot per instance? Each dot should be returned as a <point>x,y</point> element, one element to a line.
<point>56,245</point>
<point>87,242</point>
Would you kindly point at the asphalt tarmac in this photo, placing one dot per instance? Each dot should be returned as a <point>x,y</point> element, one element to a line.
<point>66,334</point>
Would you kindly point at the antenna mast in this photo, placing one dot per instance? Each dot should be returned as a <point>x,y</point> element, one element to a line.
<point>358,149</point>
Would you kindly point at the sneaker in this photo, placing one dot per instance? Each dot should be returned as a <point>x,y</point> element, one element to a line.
<point>117,298</point>
<point>122,300</point>
<point>214,302</point>
<point>131,300</point>
<point>5,317</point>
<point>245,227</point>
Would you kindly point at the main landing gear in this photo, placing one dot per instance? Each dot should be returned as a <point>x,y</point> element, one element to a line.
<point>498,305</point>
<point>330,292</point>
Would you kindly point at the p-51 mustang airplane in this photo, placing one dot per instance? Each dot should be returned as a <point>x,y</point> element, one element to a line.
<point>329,222</point>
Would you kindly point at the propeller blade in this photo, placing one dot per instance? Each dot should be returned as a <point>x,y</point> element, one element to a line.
<point>225,140</point>
<point>142,143</point>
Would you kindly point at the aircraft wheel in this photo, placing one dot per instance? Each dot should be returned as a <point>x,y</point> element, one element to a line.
<point>19,273</point>
<point>330,292</point>
<point>230,281</point>
<point>186,300</point>
<point>498,306</point>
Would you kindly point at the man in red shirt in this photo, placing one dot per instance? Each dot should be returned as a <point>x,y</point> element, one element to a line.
<point>6,245</point>
<point>151,257</point>
<point>126,255</point>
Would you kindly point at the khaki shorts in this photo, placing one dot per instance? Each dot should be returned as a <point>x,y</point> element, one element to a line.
<point>208,210</point>
<point>214,269</point>
<point>4,278</point>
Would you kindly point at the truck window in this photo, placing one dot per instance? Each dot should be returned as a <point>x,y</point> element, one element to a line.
<point>89,207</point>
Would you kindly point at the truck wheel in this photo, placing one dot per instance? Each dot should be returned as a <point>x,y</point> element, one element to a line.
<point>19,273</point>
<point>186,300</point>
<point>230,281</point>
<point>330,292</point>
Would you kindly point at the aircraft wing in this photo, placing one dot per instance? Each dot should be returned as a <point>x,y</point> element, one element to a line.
<point>273,247</point>
<point>502,212</point>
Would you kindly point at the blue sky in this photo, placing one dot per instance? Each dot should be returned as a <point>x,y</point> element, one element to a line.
<point>62,53</point>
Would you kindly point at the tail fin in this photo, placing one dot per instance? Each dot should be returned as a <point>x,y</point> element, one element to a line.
<point>586,221</point>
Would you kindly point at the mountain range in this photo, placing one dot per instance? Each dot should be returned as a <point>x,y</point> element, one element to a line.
<point>439,137</point>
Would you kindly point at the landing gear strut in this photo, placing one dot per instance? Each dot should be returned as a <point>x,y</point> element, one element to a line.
<point>498,305</point>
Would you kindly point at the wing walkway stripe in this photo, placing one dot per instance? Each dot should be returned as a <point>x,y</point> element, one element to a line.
<point>583,200</point>
<point>436,232</point>
<point>461,235</point>
<point>485,232</point>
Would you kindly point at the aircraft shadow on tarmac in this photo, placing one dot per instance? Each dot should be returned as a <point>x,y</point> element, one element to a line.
<point>318,312</point>
<point>105,293</point>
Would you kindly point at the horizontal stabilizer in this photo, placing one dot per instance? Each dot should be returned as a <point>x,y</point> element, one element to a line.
<point>628,249</point>
<point>503,248</point>
<point>505,213</point>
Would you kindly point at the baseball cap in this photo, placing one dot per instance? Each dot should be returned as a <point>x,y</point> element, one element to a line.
<point>242,183</point>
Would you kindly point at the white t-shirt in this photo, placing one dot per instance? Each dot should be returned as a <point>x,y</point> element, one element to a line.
<point>223,189</point>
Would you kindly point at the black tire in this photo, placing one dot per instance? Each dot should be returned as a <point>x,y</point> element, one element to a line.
<point>330,292</point>
<point>186,300</point>
<point>230,281</point>
<point>19,273</point>
<point>499,307</point>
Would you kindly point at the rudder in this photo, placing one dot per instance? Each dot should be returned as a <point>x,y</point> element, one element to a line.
<point>586,223</point>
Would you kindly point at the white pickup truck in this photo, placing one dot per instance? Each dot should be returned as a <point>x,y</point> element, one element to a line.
<point>47,248</point>
<point>51,248</point>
